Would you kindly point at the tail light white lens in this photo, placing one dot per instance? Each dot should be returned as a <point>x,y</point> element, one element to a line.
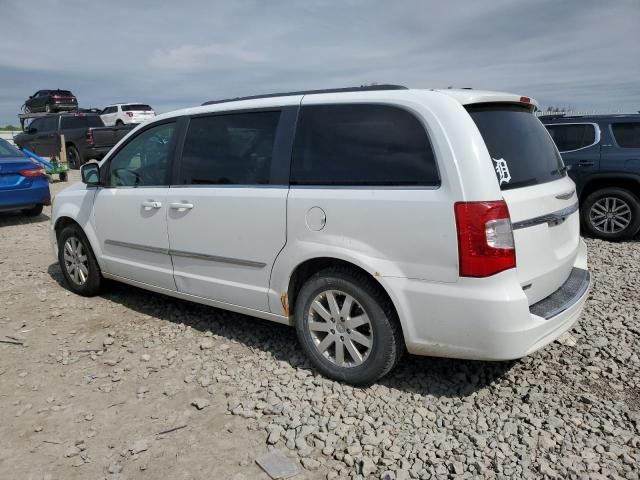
<point>499,233</point>
<point>485,238</point>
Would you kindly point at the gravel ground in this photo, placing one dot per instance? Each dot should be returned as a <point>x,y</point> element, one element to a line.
<point>96,380</point>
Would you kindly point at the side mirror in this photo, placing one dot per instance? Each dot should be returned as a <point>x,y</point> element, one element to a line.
<point>90,173</point>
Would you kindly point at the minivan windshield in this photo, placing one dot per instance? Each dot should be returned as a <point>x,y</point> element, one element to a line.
<point>521,149</point>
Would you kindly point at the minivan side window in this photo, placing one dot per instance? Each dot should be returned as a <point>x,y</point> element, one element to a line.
<point>572,136</point>
<point>362,145</point>
<point>229,149</point>
<point>627,134</point>
<point>144,161</point>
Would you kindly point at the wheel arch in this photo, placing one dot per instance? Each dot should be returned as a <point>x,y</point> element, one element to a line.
<point>307,268</point>
<point>628,182</point>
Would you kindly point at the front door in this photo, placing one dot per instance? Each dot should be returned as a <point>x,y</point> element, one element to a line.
<point>130,212</point>
<point>227,213</point>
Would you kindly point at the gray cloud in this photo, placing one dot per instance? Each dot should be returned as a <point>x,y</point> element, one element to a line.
<point>580,53</point>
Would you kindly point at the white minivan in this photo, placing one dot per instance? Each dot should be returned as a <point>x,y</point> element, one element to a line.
<point>375,220</point>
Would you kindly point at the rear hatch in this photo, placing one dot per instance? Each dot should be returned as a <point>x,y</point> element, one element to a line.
<point>138,112</point>
<point>63,97</point>
<point>541,198</point>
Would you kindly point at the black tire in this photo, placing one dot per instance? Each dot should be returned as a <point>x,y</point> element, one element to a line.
<point>32,212</point>
<point>91,286</point>
<point>119,123</point>
<point>589,213</point>
<point>387,345</point>
<point>63,176</point>
<point>27,109</point>
<point>73,157</point>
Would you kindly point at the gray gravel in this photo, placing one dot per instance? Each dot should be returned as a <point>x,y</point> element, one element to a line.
<point>569,411</point>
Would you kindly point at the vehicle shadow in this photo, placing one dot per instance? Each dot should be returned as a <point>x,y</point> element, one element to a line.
<point>437,377</point>
<point>9,219</point>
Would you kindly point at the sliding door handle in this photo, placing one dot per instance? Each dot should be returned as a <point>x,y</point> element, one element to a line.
<point>151,204</point>
<point>181,206</point>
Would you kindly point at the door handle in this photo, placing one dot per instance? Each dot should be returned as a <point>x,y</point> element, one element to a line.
<point>181,206</point>
<point>151,204</point>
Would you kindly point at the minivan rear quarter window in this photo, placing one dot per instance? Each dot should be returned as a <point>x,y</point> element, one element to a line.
<point>137,107</point>
<point>522,150</point>
<point>572,136</point>
<point>362,144</point>
<point>627,134</point>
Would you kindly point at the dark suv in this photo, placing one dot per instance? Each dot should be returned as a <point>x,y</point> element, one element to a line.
<point>602,155</point>
<point>51,101</point>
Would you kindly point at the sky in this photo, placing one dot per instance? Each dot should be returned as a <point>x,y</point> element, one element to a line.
<point>579,54</point>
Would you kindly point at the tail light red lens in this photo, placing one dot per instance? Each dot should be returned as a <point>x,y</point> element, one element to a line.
<point>130,114</point>
<point>32,172</point>
<point>485,238</point>
<point>89,138</point>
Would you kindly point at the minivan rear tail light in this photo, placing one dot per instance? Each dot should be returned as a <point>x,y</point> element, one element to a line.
<point>32,172</point>
<point>485,238</point>
<point>130,114</point>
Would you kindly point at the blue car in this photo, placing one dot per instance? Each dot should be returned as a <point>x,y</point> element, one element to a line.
<point>23,184</point>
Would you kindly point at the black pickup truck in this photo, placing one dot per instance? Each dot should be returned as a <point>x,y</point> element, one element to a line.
<point>85,136</point>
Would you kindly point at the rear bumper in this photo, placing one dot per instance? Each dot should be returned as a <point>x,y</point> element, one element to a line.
<point>486,319</point>
<point>64,106</point>
<point>20,198</point>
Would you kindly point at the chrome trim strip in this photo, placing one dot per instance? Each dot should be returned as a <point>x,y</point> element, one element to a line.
<point>598,134</point>
<point>214,258</point>
<point>137,246</point>
<point>553,219</point>
<point>180,253</point>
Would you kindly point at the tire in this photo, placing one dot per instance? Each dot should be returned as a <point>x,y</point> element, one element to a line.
<point>383,332</point>
<point>69,239</point>
<point>119,123</point>
<point>27,109</point>
<point>47,108</point>
<point>620,206</point>
<point>32,212</point>
<point>73,157</point>
<point>63,176</point>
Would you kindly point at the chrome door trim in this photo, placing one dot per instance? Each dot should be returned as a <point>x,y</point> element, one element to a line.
<point>181,253</point>
<point>214,258</point>
<point>137,246</point>
<point>553,219</point>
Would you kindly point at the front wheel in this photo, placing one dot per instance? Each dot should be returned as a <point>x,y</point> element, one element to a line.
<point>347,326</point>
<point>611,214</point>
<point>78,264</point>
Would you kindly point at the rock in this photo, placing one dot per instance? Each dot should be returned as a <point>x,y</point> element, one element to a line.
<point>276,464</point>
<point>145,357</point>
<point>310,464</point>
<point>114,468</point>
<point>206,343</point>
<point>72,452</point>
<point>139,446</point>
<point>367,467</point>
<point>200,403</point>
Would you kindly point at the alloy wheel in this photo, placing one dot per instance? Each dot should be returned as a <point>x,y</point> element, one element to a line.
<point>340,328</point>
<point>76,260</point>
<point>610,215</point>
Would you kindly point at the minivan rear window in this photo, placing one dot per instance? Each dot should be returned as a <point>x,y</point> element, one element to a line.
<point>136,108</point>
<point>362,145</point>
<point>522,150</point>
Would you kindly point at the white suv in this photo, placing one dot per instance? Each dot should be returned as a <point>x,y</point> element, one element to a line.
<point>375,220</point>
<point>125,113</point>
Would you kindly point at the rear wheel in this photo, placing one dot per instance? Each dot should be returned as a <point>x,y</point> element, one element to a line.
<point>47,108</point>
<point>27,109</point>
<point>33,212</point>
<point>78,264</point>
<point>611,214</point>
<point>347,327</point>
<point>73,157</point>
<point>119,123</point>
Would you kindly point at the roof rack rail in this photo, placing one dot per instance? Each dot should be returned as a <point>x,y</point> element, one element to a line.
<point>367,88</point>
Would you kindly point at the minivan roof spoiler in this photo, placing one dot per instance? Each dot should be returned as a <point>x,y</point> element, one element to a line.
<point>365,88</point>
